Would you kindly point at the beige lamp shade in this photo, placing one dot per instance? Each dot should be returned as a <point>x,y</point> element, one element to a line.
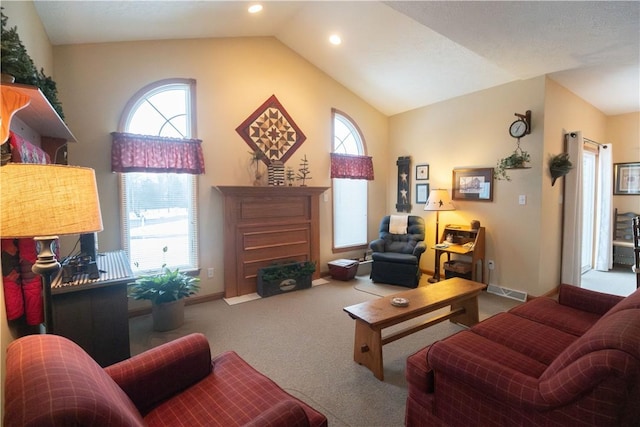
<point>48,200</point>
<point>439,200</point>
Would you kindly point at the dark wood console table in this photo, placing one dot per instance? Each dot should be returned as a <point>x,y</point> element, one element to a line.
<point>94,312</point>
<point>265,225</point>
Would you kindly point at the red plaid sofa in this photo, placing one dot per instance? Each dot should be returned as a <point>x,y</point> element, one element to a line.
<point>570,361</point>
<point>50,381</point>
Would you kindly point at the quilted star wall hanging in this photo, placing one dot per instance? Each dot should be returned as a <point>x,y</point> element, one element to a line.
<point>271,131</point>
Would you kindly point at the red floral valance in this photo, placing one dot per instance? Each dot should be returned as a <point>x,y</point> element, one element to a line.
<point>350,166</point>
<point>147,153</point>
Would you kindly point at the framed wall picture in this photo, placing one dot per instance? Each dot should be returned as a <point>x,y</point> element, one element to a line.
<point>473,184</point>
<point>422,172</point>
<point>626,178</point>
<point>422,193</point>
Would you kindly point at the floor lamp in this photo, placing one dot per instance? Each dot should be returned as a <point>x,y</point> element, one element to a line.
<point>438,200</point>
<point>47,201</point>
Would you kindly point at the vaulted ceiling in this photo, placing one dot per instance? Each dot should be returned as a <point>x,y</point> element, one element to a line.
<point>401,55</point>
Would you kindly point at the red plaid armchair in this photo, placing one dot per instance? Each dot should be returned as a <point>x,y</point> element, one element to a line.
<point>50,381</point>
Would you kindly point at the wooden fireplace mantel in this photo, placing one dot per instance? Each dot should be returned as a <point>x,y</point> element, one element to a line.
<point>267,225</point>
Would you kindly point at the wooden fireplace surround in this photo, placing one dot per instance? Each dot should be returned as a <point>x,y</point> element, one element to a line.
<point>267,225</point>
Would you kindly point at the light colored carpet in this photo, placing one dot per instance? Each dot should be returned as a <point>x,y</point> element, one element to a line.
<point>303,340</point>
<point>618,281</point>
<point>378,289</point>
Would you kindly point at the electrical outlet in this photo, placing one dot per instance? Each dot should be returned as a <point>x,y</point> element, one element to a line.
<point>491,264</point>
<point>210,273</point>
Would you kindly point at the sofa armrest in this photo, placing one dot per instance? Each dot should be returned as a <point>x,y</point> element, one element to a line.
<point>287,413</point>
<point>419,249</point>
<point>377,245</point>
<point>163,371</point>
<point>587,300</point>
<point>487,377</point>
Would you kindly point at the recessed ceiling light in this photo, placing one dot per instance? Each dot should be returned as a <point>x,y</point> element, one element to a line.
<point>335,39</point>
<point>255,8</point>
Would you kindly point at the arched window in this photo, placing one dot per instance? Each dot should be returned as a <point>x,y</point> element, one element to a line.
<point>349,195</point>
<point>159,210</point>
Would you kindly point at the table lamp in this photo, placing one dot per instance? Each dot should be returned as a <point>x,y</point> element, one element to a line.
<point>438,200</point>
<point>43,202</point>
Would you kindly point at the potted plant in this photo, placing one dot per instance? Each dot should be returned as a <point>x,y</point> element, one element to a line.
<point>166,291</point>
<point>517,160</point>
<point>559,165</point>
<point>280,278</point>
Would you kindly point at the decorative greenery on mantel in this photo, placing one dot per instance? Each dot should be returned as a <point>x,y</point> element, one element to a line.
<point>15,61</point>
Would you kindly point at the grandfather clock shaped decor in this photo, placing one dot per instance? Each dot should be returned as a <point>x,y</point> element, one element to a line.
<point>404,189</point>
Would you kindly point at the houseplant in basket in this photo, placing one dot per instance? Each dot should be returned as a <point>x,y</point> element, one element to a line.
<point>166,291</point>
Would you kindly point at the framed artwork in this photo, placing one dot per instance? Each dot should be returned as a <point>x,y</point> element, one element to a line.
<point>422,193</point>
<point>422,172</point>
<point>473,184</point>
<point>626,178</point>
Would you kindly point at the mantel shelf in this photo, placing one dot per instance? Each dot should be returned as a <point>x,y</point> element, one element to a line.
<point>269,190</point>
<point>39,115</point>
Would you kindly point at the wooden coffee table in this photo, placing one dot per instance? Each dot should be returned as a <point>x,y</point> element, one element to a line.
<point>373,316</point>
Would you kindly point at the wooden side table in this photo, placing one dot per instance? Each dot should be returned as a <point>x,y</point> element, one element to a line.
<point>94,312</point>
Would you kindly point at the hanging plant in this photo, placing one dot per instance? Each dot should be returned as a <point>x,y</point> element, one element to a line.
<point>517,160</point>
<point>559,166</point>
<point>15,61</point>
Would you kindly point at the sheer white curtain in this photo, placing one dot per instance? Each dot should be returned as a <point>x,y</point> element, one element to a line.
<point>572,220</point>
<point>604,217</point>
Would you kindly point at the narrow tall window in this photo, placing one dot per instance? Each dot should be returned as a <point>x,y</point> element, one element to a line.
<point>349,195</point>
<point>159,210</point>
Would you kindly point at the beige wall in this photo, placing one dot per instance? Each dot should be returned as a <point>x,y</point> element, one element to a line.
<point>472,132</point>
<point>23,16</point>
<point>234,77</point>
<point>623,132</point>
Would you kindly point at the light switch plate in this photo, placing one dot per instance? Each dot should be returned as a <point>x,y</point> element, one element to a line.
<point>522,199</point>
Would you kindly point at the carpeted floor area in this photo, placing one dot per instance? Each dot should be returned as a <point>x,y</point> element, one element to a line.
<point>304,341</point>
<point>620,280</point>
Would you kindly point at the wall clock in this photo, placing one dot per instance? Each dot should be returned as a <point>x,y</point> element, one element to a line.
<point>522,126</point>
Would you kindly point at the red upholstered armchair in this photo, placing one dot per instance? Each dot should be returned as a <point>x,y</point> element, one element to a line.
<point>50,381</point>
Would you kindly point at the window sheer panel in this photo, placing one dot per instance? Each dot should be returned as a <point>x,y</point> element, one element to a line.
<point>350,212</point>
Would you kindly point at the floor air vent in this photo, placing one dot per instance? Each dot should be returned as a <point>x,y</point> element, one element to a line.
<point>508,293</point>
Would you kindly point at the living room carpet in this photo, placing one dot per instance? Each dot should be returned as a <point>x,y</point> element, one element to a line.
<point>379,289</point>
<point>303,340</point>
